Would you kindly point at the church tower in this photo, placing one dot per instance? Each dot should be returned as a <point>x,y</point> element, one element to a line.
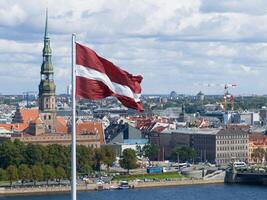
<point>47,87</point>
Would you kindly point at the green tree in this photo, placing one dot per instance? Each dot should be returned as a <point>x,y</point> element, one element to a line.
<point>184,153</point>
<point>12,174</point>
<point>35,154</point>
<point>3,175</point>
<point>68,172</point>
<point>151,151</point>
<point>86,169</point>
<point>10,154</point>
<point>60,174</point>
<point>129,159</point>
<point>24,173</point>
<point>49,173</point>
<point>84,159</point>
<point>99,157</point>
<point>37,173</point>
<point>109,156</point>
<point>258,154</point>
<point>58,155</point>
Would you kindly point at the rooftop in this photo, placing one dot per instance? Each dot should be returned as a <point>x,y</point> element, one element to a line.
<point>210,131</point>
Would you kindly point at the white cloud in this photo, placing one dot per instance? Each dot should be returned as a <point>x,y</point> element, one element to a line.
<point>173,44</point>
<point>12,15</point>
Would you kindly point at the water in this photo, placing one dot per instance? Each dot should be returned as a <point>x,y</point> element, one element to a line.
<point>196,192</point>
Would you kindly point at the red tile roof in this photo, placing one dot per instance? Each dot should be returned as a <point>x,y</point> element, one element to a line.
<point>37,120</point>
<point>61,125</point>
<point>15,127</point>
<point>29,114</point>
<point>90,128</point>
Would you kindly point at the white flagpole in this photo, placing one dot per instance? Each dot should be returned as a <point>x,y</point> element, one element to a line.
<point>73,141</point>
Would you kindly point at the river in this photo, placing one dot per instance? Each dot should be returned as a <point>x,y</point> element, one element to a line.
<point>195,192</point>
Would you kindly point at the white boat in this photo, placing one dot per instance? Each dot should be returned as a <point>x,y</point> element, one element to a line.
<point>124,185</point>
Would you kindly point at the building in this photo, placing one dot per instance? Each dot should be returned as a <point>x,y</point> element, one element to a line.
<point>263,115</point>
<point>250,118</point>
<point>122,136</point>
<point>256,140</point>
<point>200,96</point>
<point>135,144</point>
<point>232,144</point>
<point>118,133</point>
<point>200,139</point>
<point>25,115</point>
<point>47,87</point>
<point>215,145</point>
<point>173,95</point>
<point>90,134</point>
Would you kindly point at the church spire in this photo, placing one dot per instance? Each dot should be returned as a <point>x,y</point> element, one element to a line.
<point>47,87</point>
<point>46,22</point>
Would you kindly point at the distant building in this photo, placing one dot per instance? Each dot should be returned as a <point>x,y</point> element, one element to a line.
<point>219,146</point>
<point>249,118</point>
<point>202,140</point>
<point>163,100</point>
<point>68,89</point>
<point>170,112</point>
<point>263,115</point>
<point>90,134</point>
<point>135,144</point>
<point>200,96</point>
<point>173,95</point>
<point>123,136</point>
<point>118,133</point>
<point>232,145</point>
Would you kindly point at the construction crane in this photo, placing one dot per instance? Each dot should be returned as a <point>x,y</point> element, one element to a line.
<point>227,97</point>
<point>26,95</point>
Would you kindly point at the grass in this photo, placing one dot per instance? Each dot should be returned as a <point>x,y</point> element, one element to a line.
<point>4,183</point>
<point>166,175</point>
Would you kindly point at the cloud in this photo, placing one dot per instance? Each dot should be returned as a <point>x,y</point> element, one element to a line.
<point>12,15</point>
<point>174,44</point>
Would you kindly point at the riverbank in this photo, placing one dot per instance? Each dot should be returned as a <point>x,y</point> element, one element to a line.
<point>93,187</point>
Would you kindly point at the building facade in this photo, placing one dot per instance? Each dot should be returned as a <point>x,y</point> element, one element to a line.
<point>202,140</point>
<point>232,145</point>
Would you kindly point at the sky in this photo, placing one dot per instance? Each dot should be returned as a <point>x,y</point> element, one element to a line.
<point>175,45</point>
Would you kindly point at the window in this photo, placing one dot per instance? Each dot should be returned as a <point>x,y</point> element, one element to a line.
<point>45,117</point>
<point>49,116</point>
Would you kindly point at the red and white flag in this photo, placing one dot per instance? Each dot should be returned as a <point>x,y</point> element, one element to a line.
<point>97,78</point>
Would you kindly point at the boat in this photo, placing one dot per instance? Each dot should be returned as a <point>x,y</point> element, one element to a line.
<point>124,185</point>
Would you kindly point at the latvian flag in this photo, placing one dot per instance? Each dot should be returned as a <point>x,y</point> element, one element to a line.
<point>97,78</point>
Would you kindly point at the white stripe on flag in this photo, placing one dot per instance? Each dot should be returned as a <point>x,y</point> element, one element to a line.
<point>116,88</point>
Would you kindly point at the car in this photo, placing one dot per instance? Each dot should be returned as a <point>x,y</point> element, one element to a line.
<point>240,165</point>
<point>100,182</point>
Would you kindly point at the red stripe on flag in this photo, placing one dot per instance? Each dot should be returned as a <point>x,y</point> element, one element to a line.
<point>88,58</point>
<point>93,89</point>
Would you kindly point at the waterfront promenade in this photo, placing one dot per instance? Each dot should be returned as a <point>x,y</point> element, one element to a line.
<point>92,187</point>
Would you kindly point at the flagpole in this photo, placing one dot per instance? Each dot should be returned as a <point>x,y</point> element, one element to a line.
<point>73,141</point>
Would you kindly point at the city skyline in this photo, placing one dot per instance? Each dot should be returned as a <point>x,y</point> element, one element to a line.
<point>176,45</point>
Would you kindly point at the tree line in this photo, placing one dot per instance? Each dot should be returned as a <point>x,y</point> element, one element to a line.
<point>43,163</point>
